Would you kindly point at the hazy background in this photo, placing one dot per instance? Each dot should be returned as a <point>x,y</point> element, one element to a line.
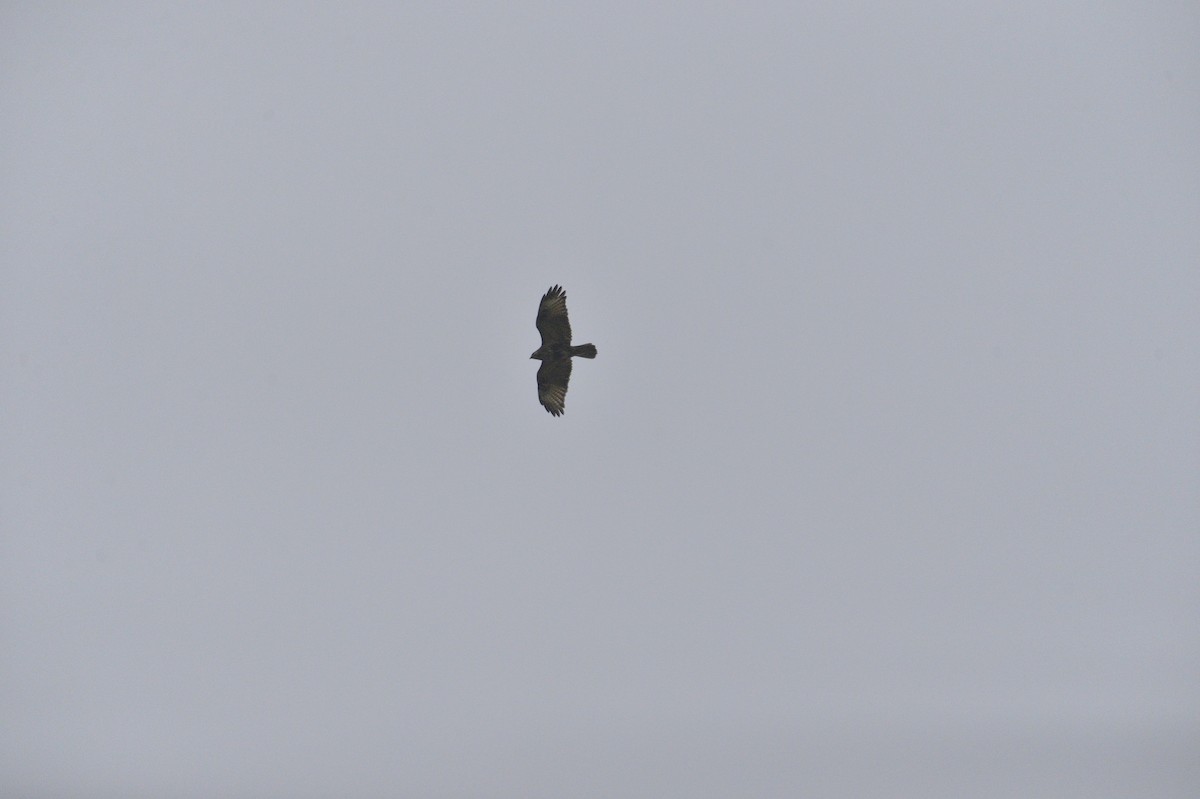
<point>886,480</point>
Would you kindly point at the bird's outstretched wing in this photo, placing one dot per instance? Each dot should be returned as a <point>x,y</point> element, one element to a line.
<point>552,378</point>
<point>552,320</point>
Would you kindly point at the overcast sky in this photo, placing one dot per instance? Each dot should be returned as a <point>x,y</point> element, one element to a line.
<point>885,482</point>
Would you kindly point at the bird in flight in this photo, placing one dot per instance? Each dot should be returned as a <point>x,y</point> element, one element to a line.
<point>556,351</point>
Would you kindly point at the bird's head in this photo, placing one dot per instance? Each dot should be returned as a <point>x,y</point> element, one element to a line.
<point>537,354</point>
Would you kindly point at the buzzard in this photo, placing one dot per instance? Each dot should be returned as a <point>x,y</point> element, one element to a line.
<point>556,351</point>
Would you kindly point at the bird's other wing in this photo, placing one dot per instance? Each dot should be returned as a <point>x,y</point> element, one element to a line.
<point>552,320</point>
<point>552,378</point>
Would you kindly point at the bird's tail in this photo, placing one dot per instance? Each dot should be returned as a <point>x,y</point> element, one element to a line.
<point>584,350</point>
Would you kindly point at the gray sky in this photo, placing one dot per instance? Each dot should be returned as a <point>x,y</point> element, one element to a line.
<point>886,480</point>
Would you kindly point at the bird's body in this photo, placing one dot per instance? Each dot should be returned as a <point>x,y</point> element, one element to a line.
<point>556,351</point>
